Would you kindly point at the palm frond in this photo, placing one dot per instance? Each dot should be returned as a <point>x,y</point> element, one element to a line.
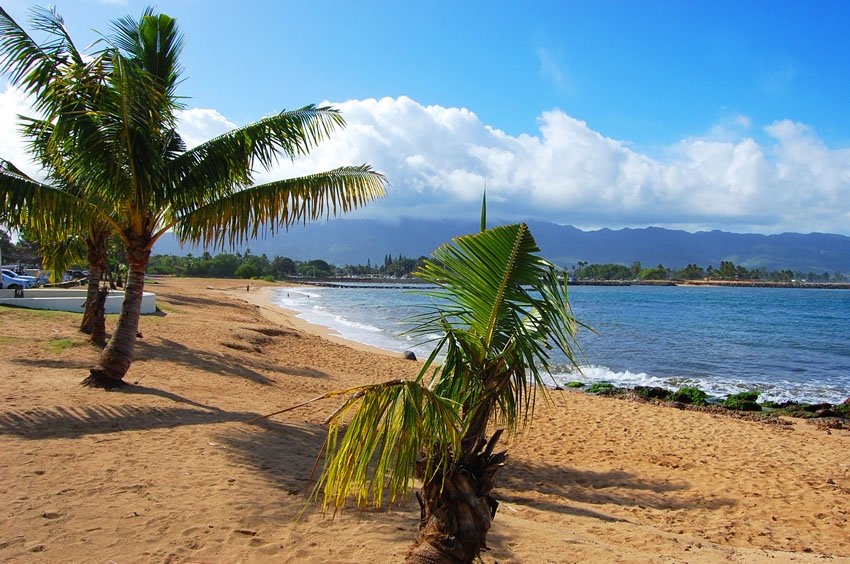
<point>215,166</point>
<point>155,43</point>
<point>27,64</point>
<point>234,218</point>
<point>502,309</point>
<point>58,255</point>
<point>26,203</point>
<point>379,452</point>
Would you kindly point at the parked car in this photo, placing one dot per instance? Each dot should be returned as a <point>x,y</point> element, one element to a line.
<point>15,282</point>
<point>73,275</point>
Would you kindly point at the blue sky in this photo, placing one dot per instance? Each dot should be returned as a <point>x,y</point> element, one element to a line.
<point>697,115</point>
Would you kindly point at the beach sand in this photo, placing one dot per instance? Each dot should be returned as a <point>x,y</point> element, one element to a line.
<point>168,470</point>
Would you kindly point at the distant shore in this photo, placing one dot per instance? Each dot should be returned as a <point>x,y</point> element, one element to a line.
<point>415,283</point>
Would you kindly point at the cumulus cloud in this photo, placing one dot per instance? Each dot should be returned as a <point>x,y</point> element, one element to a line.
<point>439,159</point>
<point>197,125</point>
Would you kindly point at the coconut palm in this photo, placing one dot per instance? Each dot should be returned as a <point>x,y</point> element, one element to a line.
<point>35,68</point>
<point>84,236</point>
<point>500,309</point>
<point>114,119</point>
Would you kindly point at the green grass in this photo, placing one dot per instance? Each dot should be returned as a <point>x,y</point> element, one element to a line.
<point>59,345</point>
<point>168,308</point>
<point>38,313</point>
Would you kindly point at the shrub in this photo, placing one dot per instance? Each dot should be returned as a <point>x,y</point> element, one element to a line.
<point>574,384</point>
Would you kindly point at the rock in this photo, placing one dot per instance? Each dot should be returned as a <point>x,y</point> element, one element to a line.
<point>690,395</point>
<point>601,388</point>
<point>409,355</point>
<point>651,392</point>
<point>816,407</point>
<point>745,401</point>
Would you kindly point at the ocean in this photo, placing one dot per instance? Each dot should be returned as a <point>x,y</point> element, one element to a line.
<point>786,343</point>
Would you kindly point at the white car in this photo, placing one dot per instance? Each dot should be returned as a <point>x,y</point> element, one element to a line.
<point>16,281</point>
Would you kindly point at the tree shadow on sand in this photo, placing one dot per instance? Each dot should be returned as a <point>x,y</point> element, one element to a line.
<point>79,421</point>
<point>202,302</point>
<point>288,457</point>
<point>562,488</point>
<point>221,363</point>
<point>57,363</point>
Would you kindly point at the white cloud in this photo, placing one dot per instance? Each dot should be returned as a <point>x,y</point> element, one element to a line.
<point>197,125</point>
<point>12,147</point>
<point>438,160</point>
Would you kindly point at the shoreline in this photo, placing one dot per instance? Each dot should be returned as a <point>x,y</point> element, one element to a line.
<point>261,297</point>
<point>413,283</point>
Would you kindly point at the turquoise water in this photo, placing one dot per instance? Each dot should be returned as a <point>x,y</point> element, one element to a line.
<point>785,343</point>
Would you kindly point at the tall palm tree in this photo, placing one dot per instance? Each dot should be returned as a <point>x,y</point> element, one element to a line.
<point>115,119</point>
<point>500,309</point>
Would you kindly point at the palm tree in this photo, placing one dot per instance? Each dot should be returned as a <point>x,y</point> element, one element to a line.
<point>19,194</point>
<point>500,309</point>
<point>114,118</point>
<point>35,67</point>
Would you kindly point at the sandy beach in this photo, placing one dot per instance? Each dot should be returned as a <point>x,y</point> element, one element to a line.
<point>169,470</point>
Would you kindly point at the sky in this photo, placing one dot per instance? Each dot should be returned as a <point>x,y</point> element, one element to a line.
<point>681,114</point>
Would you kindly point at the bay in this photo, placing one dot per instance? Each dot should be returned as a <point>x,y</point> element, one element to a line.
<point>785,343</point>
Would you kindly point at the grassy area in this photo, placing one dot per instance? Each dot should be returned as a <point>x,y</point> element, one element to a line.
<point>36,313</point>
<point>59,345</point>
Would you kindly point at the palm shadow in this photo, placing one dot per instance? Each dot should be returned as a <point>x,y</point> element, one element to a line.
<point>563,487</point>
<point>80,421</point>
<point>290,456</point>
<point>223,363</point>
<point>200,301</point>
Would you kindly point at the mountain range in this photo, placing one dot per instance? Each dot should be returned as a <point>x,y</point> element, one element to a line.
<point>354,241</point>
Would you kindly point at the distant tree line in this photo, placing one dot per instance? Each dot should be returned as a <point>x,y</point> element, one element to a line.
<point>727,270</point>
<point>25,252</point>
<point>247,265</point>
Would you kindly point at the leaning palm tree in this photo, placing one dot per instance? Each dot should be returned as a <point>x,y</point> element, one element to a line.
<point>500,309</point>
<point>116,122</point>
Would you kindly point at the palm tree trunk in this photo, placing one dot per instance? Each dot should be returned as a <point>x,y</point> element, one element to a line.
<point>94,319</point>
<point>116,358</point>
<point>456,513</point>
<point>98,334</point>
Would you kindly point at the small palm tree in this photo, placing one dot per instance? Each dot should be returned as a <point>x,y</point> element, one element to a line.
<point>114,118</point>
<point>500,309</point>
